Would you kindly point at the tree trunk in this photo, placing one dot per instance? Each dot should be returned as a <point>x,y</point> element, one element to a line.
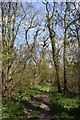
<point>64,60</point>
<point>64,56</point>
<point>55,57</point>
<point>78,37</point>
<point>34,79</point>
<point>57,75</point>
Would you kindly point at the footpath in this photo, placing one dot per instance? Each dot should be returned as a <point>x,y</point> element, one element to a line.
<point>44,109</point>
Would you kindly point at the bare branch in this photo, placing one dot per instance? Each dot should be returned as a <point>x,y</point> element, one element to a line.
<point>72,22</point>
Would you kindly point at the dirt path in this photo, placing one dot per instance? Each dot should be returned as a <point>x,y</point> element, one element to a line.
<point>44,108</point>
<point>45,113</point>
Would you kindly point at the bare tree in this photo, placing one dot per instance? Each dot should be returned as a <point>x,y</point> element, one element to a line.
<point>11,21</point>
<point>50,26</point>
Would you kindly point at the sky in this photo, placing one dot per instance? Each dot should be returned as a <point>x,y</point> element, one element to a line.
<point>20,39</point>
<point>39,0</point>
<point>21,32</point>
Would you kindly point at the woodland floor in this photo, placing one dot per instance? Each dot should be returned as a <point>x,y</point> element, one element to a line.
<point>42,103</point>
<point>44,109</point>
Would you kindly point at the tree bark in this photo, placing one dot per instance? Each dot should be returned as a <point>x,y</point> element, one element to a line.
<point>55,57</point>
<point>64,56</point>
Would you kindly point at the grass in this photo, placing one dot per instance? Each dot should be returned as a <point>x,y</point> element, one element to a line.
<point>12,110</point>
<point>64,106</point>
<point>19,107</point>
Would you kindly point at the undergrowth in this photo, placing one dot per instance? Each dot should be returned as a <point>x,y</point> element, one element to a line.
<point>64,106</point>
<point>17,107</point>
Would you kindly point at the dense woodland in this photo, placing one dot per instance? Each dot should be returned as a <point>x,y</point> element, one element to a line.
<point>40,45</point>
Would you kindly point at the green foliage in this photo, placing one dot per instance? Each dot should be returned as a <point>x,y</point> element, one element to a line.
<point>63,106</point>
<point>12,110</point>
<point>44,72</point>
<point>21,66</point>
<point>35,115</point>
<point>17,107</point>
